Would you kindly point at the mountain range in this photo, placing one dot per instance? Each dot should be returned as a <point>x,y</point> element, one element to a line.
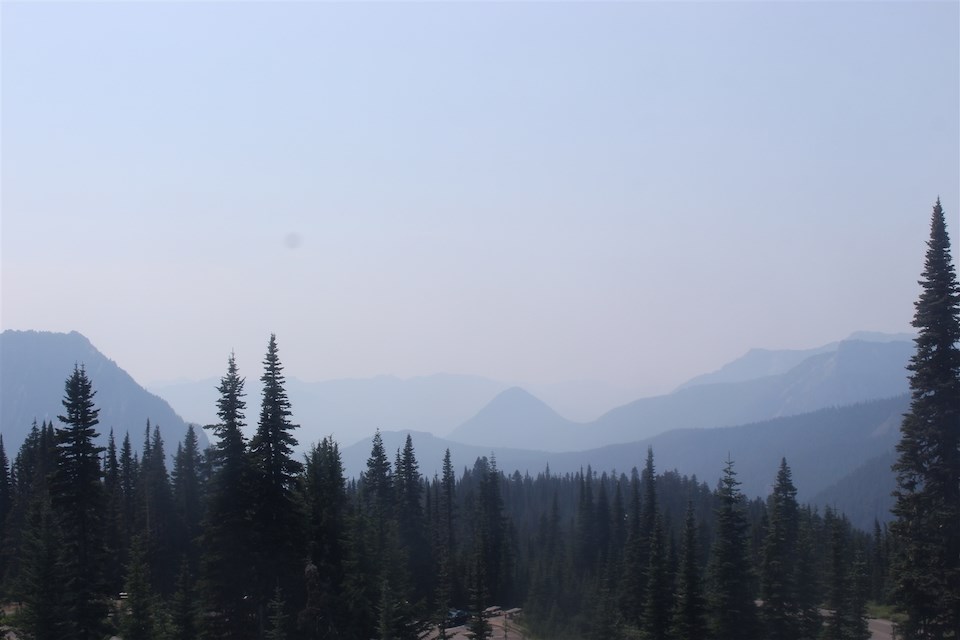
<point>35,367</point>
<point>826,450</point>
<point>854,371</point>
<point>470,409</point>
<point>833,411</point>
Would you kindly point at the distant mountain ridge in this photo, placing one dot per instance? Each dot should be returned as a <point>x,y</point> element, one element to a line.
<point>760,363</point>
<point>35,367</point>
<point>856,371</point>
<point>529,419</point>
<point>352,409</point>
<point>823,449</point>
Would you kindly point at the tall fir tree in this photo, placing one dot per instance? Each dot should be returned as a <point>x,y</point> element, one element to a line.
<point>79,502</point>
<point>155,513</point>
<point>41,577</point>
<point>139,616</point>
<point>635,557</point>
<point>226,565</point>
<point>187,494</point>
<point>846,586</point>
<point>927,509</point>
<point>778,571</point>
<point>278,516</point>
<point>731,598</point>
<point>326,501</point>
<point>657,608</point>
<point>6,492</point>
<point>689,616</point>
<point>411,520</point>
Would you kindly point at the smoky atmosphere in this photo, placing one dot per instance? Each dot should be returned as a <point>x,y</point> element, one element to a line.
<point>532,320</point>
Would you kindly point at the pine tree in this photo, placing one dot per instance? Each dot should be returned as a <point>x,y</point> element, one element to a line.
<point>846,593</point>
<point>778,570</point>
<point>809,589</point>
<point>326,501</point>
<point>689,620</point>
<point>42,577</point>
<point>657,609</point>
<point>183,609</point>
<point>226,565</point>
<point>78,501</point>
<point>138,621</point>
<point>6,506</point>
<point>586,540</point>
<point>6,493</point>
<point>113,517</point>
<point>635,558</point>
<point>731,599</point>
<point>445,507</point>
<point>410,520</point>
<point>187,493</point>
<point>129,473</point>
<point>279,524</point>
<point>927,510</point>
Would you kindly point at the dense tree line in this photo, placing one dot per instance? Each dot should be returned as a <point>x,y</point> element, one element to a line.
<point>245,540</point>
<point>248,540</point>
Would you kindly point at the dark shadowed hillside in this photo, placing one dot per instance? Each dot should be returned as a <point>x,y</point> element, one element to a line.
<point>866,494</point>
<point>35,366</point>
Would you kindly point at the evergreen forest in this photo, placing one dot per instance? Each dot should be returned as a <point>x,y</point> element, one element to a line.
<point>246,539</point>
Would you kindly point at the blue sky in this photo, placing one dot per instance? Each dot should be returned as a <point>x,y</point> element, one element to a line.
<point>627,192</point>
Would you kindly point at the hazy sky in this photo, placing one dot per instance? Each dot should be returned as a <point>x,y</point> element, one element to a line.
<point>627,192</point>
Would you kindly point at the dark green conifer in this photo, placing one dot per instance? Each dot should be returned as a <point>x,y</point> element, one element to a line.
<point>778,571</point>
<point>226,565</point>
<point>278,519</point>
<point>659,600</point>
<point>139,615</point>
<point>731,599</point>
<point>187,498</point>
<point>326,502</point>
<point>689,619</point>
<point>927,526</point>
<point>6,493</point>
<point>42,576</point>
<point>79,503</point>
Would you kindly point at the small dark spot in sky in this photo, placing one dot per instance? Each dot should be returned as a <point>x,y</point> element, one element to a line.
<point>292,240</point>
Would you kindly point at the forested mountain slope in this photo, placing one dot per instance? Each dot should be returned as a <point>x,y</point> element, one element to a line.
<point>34,367</point>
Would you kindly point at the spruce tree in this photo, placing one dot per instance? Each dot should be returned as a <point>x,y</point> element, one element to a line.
<point>6,494</point>
<point>846,592</point>
<point>155,513</point>
<point>689,618</point>
<point>326,501</point>
<point>278,518</point>
<point>411,521</point>
<point>731,597</point>
<point>138,620</point>
<point>927,509</point>
<point>79,502</point>
<point>183,606</point>
<point>226,565</point>
<point>778,571</point>
<point>42,577</point>
<point>187,497</point>
<point>635,557</point>
<point>115,542</point>
<point>657,609</point>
